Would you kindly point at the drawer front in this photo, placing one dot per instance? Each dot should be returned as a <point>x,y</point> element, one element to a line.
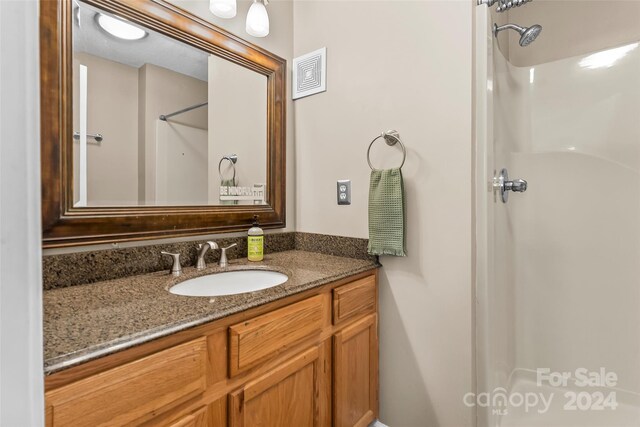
<point>133,392</point>
<point>252,341</point>
<point>354,299</point>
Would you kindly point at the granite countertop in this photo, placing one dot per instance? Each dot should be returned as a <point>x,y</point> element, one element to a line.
<point>85,322</point>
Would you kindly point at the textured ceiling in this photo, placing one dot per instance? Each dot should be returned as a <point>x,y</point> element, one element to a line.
<point>154,49</point>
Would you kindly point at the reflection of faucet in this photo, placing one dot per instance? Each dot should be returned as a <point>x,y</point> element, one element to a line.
<point>223,255</point>
<point>202,250</point>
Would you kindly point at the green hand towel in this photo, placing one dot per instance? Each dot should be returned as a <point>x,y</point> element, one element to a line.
<point>228,183</point>
<point>386,213</point>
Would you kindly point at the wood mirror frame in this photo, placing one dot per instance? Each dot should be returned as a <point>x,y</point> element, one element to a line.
<point>66,225</point>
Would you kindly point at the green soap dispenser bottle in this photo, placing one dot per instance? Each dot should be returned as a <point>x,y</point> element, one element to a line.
<point>255,242</point>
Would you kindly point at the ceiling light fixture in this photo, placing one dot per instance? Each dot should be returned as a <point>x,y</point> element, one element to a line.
<point>119,28</point>
<point>223,8</point>
<point>258,19</point>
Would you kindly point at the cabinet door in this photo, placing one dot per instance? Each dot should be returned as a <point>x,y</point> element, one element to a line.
<point>355,374</point>
<point>296,393</point>
<point>195,419</point>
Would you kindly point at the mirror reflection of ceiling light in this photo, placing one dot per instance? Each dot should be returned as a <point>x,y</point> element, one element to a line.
<point>607,58</point>
<point>223,8</point>
<point>119,28</point>
<point>258,19</point>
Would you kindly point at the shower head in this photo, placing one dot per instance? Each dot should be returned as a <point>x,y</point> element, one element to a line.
<point>527,35</point>
<point>530,34</point>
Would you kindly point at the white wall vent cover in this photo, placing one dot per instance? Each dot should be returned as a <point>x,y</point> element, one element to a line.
<point>310,73</point>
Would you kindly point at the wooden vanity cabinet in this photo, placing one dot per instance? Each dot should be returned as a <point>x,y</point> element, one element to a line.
<point>306,360</point>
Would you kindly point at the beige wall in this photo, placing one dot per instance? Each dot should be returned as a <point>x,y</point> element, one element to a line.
<point>403,65</point>
<point>162,91</point>
<point>112,165</point>
<point>573,27</point>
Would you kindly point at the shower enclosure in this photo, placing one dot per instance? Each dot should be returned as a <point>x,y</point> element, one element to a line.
<point>558,265</point>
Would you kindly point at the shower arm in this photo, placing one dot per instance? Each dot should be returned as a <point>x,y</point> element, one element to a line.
<point>518,28</point>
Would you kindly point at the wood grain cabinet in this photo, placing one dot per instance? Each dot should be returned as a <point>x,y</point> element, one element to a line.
<point>195,419</point>
<point>133,392</point>
<point>355,374</point>
<point>307,360</point>
<point>254,341</point>
<point>293,394</point>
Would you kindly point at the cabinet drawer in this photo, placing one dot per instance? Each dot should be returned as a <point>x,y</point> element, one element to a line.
<point>252,341</point>
<point>135,391</point>
<point>354,299</point>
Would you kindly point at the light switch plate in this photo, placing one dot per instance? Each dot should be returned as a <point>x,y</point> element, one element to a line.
<point>344,192</point>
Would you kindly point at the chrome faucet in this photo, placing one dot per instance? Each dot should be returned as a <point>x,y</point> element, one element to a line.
<point>223,255</point>
<point>202,250</point>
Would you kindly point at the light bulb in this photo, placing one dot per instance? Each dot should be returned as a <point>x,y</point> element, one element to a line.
<point>118,28</point>
<point>257,20</point>
<point>223,8</point>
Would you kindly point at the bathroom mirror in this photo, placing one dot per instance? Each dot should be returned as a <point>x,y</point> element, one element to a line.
<point>164,123</point>
<point>155,123</point>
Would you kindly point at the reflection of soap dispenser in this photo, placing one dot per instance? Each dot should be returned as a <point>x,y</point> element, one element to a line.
<point>255,242</point>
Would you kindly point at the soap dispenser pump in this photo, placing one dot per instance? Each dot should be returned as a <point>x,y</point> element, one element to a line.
<point>255,242</point>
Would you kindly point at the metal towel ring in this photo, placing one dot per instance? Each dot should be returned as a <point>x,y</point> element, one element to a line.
<point>391,137</point>
<point>233,158</point>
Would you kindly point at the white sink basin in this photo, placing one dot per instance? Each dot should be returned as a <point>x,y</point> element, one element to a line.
<point>229,283</point>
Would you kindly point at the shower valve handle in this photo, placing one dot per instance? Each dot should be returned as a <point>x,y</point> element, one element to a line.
<point>502,185</point>
<point>517,185</point>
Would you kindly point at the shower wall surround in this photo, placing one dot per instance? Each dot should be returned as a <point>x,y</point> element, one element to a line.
<point>557,281</point>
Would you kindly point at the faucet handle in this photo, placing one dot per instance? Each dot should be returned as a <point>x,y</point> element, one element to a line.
<point>176,268</point>
<point>223,255</point>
